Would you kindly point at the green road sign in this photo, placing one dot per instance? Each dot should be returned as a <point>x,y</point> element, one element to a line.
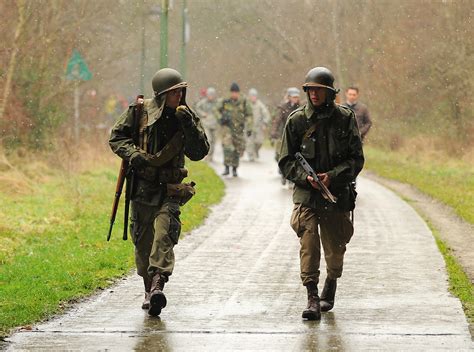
<point>77,68</point>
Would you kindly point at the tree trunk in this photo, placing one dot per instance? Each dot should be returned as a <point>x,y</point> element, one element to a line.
<point>11,66</point>
<point>335,33</point>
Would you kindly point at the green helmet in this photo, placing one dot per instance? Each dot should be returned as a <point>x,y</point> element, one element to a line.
<point>167,79</point>
<point>320,77</point>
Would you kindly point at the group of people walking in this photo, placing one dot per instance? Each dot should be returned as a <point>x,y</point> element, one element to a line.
<point>154,136</point>
<point>240,122</point>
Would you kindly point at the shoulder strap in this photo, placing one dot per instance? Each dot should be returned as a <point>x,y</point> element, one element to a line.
<point>169,151</point>
<point>313,128</point>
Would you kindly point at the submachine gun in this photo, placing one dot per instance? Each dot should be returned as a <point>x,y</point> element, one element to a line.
<point>309,170</point>
<point>126,173</point>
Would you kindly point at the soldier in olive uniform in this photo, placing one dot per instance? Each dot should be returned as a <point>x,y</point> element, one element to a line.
<point>328,137</point>
<point>155,144</point>
<point>206,108</point>
<point>235,117</point>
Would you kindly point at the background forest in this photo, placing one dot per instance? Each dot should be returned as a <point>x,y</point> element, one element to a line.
<point>412,60</point>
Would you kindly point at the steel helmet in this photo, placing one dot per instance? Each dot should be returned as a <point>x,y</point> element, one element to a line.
<point>253,92</point>
<point>293,92</point>
<point>167,79</point>
<point>320,77</point>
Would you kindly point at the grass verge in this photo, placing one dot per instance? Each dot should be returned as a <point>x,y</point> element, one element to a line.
<point>451,183</point>
<point>52,241</point>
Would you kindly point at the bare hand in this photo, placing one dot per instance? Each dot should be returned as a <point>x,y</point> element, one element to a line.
<point>324,178</point>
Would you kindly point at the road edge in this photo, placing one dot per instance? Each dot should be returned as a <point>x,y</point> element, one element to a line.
<point>424,205</point>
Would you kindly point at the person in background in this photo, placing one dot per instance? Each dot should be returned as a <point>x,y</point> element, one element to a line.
<point>361,111</point>
<point>261,119</point>
<point>284,110</point>
<point>235,117</point>
<point>206,109</point>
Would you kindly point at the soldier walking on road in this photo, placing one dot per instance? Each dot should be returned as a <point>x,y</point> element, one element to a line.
<point>206,109</point>
<point>235,117</point>
<point>261,119</point>
<point>155,144</point>
<point>360,110</point>
<point>327,136</point>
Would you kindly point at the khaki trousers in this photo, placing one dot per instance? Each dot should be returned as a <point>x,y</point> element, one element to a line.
<point>331,228</point>
<point>155,231</point>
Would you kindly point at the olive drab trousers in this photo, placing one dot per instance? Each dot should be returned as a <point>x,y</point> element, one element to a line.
<point>155,231</point>
<point>331,228</point>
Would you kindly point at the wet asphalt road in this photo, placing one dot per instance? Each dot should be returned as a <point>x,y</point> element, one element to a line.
<point>236,285</point>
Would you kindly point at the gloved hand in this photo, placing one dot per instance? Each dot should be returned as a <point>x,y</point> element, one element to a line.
<point>184,115</point>
<point>139,159</point>
<point>249,133</point>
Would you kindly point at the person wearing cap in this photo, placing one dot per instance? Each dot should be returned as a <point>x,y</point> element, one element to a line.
<point>261,119</point>
<point>155,143</point>
<point>291,103</point>
<point>206,108</point>
<point>327,136</point>
<point>236,118</point>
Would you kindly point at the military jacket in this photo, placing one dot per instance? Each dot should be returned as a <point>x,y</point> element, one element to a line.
<point>236,114</point>
<point>206,110</point>
<point>363,117</point>
<point>330,142</point>
<point>279,122</point>
<point>161,126</point>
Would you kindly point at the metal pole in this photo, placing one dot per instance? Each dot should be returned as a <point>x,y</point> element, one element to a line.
<point>183,40</point>
<point>164,34</point>
<point>143,55</point>
<point>76,113</point>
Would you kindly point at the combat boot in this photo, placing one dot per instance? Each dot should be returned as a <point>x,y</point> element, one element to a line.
<point>157,297</point>
<point>328,294</point>
<point>313,310</point>
<point>146,301</point>
<point>234,171</point>
<point>226,171</point>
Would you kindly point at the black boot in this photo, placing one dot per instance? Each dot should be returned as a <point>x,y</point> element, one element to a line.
<point>328,295</point>
<point>226,171</point>
<point>146,301</point>
<point>157,297</point>
<point>234,171</point>
<point>313,310</point>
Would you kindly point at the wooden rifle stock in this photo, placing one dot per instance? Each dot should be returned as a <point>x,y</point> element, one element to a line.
<point>118,193</point>
<point>127,173</point>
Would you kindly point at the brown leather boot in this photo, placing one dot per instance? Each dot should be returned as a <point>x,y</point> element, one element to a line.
<point>313,310</point>
<point>146,301</point>
<point>328,294</point>
<point>157,297</point>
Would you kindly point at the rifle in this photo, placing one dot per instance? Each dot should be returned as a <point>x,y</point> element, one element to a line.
<point>309,170</point>
<point>127,173</point>
<point>118,192</point>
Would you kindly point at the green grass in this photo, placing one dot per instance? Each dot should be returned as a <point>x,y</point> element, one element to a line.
<point>453,184</point>
<point>53,245</point>
<point>459,283</point>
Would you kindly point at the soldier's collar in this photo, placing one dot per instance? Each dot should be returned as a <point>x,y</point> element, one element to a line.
<point>154,107</point>
<point>317,114</point>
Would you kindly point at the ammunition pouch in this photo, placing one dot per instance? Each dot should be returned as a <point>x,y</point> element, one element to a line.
<point>181,192</point>
<point>346,197</point>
